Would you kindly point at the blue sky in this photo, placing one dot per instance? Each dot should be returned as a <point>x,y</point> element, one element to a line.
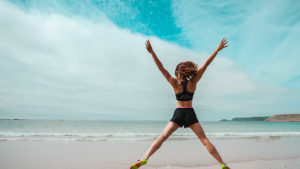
<point>86,59</point>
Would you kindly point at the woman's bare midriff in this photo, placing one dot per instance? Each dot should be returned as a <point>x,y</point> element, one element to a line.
<point>184,103</point>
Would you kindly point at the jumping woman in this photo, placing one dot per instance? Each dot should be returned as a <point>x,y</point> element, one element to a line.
<point>184,86</point>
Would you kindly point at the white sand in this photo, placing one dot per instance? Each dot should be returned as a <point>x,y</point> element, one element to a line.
<point>255,153</point>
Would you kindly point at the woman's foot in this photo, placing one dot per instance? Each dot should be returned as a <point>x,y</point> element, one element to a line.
<point>224,166</point>
<point>139,163</point>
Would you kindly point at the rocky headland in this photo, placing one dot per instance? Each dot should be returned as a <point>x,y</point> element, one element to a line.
<point>275,118</point>
<point>284,118</point>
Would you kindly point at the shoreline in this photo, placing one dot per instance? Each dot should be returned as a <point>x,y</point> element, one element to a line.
<point>173,137</point>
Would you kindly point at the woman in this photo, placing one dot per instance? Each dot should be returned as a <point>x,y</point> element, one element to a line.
<point>184,85</point>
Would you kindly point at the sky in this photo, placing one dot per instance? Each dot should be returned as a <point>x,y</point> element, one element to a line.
<point>87,59</point>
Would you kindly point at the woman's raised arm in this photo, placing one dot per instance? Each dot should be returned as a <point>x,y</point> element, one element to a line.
<point>166,74</point>
<point>222,45</point>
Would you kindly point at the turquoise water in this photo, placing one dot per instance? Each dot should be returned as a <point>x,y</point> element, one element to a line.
<point>98,130</point>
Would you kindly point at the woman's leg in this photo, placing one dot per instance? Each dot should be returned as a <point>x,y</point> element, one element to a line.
<point>169,129</point>
<point>197,129</point>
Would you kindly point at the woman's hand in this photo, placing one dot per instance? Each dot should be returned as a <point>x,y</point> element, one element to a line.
<point>149,47</point>
<point>223,44</point>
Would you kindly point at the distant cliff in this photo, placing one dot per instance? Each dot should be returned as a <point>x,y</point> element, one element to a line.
<point>277,118</point>
<point>284,118</point>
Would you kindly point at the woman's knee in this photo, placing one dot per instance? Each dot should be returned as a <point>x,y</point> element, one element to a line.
<point>204,140</point>
<point>163,137</point>
<point>210,147</point>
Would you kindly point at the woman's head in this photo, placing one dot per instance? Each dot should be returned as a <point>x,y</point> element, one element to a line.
<point>186,70</point>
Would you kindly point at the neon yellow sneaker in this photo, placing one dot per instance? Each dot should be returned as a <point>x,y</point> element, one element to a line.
<point>139,163</point>
<point>224,166</point>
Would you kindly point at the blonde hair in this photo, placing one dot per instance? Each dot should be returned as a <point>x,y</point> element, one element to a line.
<point>186,70</point>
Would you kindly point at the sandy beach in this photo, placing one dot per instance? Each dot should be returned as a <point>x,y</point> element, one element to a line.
<point>246,153</point>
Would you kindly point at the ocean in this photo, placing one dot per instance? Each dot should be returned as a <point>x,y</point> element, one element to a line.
<point>99,130</point>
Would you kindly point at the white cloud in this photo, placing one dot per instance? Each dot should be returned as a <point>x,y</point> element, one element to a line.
<point>59,66</point>
<point>262,34</point>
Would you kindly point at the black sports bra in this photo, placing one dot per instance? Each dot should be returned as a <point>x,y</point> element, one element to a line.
<point>184,95</point>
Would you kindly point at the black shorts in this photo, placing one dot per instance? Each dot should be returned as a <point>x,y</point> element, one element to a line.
<point>184,117</point>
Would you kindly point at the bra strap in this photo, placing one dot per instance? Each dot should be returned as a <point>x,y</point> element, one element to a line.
<point>184,86</point>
